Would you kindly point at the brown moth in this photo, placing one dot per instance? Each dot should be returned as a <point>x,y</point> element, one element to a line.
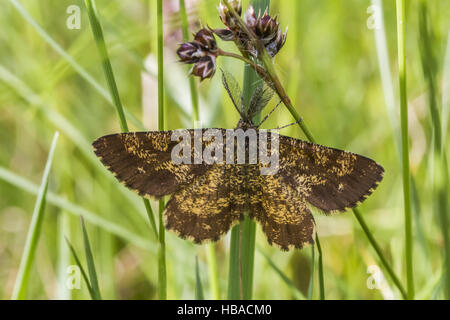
<point>207,200</point>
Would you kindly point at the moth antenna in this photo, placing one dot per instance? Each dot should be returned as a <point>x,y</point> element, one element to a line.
<point>290,125</point>
<point>270,113</point>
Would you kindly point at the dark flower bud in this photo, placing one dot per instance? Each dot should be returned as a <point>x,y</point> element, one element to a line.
<point>227,17</point>
<point>201,52</point>
<point>205,67</point>
<point>190,52</point>
<point>225,34</point>
<point>206,39</point>
<point>267,30</point>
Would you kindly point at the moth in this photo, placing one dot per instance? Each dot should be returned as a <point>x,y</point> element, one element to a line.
<point>208,199</point>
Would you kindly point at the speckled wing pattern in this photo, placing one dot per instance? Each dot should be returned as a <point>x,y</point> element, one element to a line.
<point>143,162</point>
<point>331,180</point>
<point>207,200</point>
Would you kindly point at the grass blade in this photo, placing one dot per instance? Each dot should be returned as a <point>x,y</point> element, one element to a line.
<point>321,278</point>
<point>83,272</point>
<point>162,272</point>
<point>109,75</point>
<point>198,283</point>
<point>34,231</point>
<point>401,34</point>
<point>311,281</point>
<point>234,276</point>
<point>90,262</point>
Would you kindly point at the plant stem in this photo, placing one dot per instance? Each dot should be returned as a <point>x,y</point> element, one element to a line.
<point>379,252</point>
<point>287,102</point>
<point>401,31</point>
<point>321,279</point>
<point>260,70</point>
<point>162,274</point>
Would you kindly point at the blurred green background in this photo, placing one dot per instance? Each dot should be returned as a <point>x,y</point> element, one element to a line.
<point>330,66</point>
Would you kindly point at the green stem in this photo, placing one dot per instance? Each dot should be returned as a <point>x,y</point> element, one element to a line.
<point>213,274</point>
<point>379,252</point>
<point>162,273</point>
<point>401,31</point>
<point>321,279</point>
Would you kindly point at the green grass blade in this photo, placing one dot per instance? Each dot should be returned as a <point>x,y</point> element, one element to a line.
<point>379,252</point>
<point>107,68</point>
<point>90,263</point>
<point>321,278</point>
<point>114,92</point>
<point>162,272</point>
<point>294,291</point>
<point>213,272</point>
<point>401,34</point>
<point>234,275</point>
<point>83,272</point>
<point>70,60</point>
<point>34,231</point>
<point>311,281</point>
<point>66,205</point>
<point>199,295</point>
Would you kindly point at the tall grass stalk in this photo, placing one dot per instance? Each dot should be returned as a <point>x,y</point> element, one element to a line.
<point>82,270</point>
<point>401,34</point>
<point>109,76</point>
<point>34,231</point>
<point>90,262</point>
<point>321,277</point>
<point>302,124</point>
<point>162,273</point>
